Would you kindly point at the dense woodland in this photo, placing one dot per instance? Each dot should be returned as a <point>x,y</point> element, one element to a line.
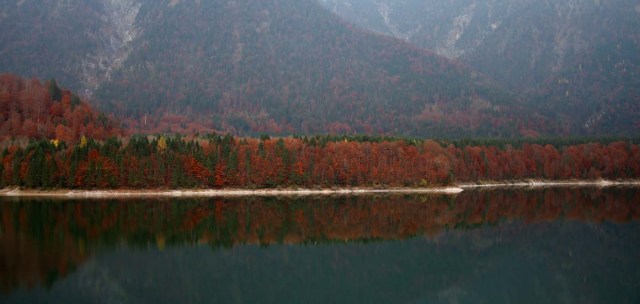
<point>33,109</point>
<point>143,162</point>
<point>52,139</point>
<point>46,242</point>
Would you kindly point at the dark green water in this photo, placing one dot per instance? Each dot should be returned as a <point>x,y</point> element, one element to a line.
<point>499,246</point>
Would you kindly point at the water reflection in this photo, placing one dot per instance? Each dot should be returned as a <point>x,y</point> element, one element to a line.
<point>43,241</point>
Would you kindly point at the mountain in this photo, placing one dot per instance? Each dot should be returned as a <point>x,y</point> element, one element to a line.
<point>578,60</point>
<point>276,66</point>
<point>78,42</point>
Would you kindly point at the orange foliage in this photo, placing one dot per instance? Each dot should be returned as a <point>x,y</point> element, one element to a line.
<point>27,110</point>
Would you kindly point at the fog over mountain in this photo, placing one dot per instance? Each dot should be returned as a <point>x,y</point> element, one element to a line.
<point>421,68</point>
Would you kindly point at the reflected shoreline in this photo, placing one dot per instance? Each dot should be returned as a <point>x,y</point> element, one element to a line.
<point>44,236</point>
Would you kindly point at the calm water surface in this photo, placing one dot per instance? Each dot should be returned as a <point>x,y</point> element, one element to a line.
<point>498,246</point>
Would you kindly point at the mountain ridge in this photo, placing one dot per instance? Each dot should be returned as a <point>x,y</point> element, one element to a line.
<point>575,60</point>
<point>250,67</point>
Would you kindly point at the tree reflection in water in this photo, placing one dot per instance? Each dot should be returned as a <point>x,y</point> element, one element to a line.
<point>44,240</point>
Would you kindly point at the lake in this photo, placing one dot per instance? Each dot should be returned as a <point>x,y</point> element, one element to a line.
<point>548,245</point>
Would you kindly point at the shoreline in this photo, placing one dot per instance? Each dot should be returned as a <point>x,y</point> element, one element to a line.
<point>216,193</point>
<point>200,193</point>
<point>602,183</point>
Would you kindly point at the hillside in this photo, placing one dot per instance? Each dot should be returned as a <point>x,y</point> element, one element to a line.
<point>249,67</point>
<point>78,42</point>
<point>35,110</point>
<point>577,60</point>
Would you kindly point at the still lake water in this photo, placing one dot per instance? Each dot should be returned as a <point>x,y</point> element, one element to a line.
<point>556,245</point>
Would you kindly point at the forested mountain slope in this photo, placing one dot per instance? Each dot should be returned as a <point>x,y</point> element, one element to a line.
<point>577,60</point>
<point>276,66</point>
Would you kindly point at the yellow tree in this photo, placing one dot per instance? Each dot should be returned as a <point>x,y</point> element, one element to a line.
<point>162,144</point>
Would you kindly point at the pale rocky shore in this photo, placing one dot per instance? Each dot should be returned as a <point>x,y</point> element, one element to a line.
<point>561,183</point>
<point>451,190</point>
<point>214,193</point>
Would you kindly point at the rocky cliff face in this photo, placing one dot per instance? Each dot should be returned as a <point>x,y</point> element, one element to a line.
<point>79,42</point>
<point>116,33</point>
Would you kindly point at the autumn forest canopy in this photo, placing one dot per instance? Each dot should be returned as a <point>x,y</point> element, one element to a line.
<point>52,139</point>
<point>42,110</point>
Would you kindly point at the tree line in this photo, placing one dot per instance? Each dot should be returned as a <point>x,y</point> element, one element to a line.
<point>225,161</point>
